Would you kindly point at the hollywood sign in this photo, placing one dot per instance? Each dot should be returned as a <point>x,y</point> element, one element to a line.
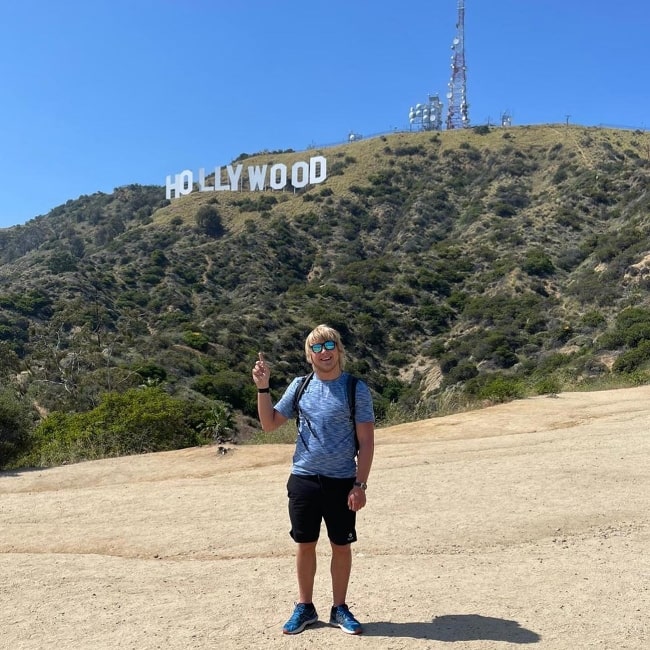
<point>260,177</point>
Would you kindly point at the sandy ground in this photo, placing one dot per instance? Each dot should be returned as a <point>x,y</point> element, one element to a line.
<point>522,524</point>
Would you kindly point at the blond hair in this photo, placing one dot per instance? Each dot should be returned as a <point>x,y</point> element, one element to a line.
<point>322,333</point>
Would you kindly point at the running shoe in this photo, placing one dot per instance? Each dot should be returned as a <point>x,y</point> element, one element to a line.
<point>342,617</point>
<point>303,615</point>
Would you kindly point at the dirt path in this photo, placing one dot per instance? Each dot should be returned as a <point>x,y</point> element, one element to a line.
<point>521,524</point>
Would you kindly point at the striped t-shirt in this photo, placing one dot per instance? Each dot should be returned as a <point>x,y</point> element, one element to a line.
<point>325,443</point>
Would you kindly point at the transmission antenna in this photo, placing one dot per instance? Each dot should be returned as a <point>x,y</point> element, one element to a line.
<point>457,115</point>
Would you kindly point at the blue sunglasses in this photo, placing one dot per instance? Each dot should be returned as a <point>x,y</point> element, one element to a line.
<point>318,347</point>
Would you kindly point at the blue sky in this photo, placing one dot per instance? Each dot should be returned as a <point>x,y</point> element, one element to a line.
<point>103,93</point>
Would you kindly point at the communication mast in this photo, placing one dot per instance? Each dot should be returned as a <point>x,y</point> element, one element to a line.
<point>457,116</point>
<point>427,117</point>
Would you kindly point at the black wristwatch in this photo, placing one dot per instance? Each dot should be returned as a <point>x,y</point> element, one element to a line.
<point>361,484</point>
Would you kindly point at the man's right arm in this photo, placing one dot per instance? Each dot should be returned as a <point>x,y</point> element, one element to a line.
<point>270,419</point>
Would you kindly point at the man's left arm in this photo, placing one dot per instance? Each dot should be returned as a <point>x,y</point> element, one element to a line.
<point>366,437</point>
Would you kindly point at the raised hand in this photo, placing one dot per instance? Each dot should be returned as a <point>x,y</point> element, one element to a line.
<point>261,372</point>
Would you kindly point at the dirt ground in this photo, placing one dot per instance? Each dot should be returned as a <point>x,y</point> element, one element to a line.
<point>522,524</point>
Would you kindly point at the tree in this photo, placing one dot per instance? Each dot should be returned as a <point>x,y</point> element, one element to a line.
<point>15,425</point>
<point>208,220</point>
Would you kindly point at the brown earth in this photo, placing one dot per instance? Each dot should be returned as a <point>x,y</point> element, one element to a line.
<point>522,524</point>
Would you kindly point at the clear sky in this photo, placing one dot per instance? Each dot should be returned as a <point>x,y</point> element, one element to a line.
<point>96,94</point>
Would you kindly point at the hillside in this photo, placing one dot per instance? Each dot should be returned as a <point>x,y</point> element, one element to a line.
<point>460,266</point>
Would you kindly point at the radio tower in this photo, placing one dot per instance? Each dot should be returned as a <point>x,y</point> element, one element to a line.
<point>457,116</point>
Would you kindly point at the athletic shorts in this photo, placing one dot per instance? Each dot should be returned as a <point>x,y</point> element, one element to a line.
<point>315,498</point>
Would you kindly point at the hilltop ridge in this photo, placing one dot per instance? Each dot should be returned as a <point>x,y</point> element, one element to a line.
<point>462,267</point>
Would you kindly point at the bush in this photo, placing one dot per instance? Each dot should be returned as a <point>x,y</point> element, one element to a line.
<point>637,333</point>
<point>632,360</point>
<point>462,372</point>
<point>234,388</point>
<point>496,388</point>
<point>15,425</point>
<point>219,423</point>
<point>632,316</point>
<point>592,319</point>
<point>209,222</point>
<point>548,386</point>
<point>151,373</point>
<point>538,263</point>
<point>141,420</point>
<point>196,340</point>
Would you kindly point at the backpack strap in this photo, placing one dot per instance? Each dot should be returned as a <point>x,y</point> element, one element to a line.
<point>352,405</point>
<point>296,398</point>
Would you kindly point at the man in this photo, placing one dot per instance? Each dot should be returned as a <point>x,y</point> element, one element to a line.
<point>328,476</point>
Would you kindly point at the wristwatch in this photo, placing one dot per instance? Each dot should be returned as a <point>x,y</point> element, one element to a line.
<point>361,484</point>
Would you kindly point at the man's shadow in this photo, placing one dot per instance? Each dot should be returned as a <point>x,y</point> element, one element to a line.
<point>456,627</point>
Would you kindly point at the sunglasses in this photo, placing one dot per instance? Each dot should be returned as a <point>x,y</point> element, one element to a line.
<point>319,347</point>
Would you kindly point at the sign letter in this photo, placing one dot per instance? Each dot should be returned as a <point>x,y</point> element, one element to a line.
<point>256,176</point>
<point>233,176</point>
<point>300,174</point>
<point>277,182</point>
<point>202,186</point>
<point>317,169</point>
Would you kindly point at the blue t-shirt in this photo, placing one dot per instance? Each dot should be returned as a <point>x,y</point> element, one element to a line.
<point>325,444</point>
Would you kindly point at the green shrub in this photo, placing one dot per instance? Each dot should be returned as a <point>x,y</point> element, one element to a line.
<point>15,426</point>
<point>396,358</point>
<point>219,424</point>
<point>495,388</point>
<point>151,372</point>
<point>610,340</point>
<point>209,221</point>
<point>196,340</point>
<point>62,262</point>
<point>503,209</point>
<point>552,362</point>
<point>538,263</point>
<point>463,371</point>
<point>28,303</point>
<point>637,333</point>
<point>140,420</point>
<point>548,386</point>
<point>632,316</point>
<point>593,319</point>
<point>632,360</point>
<point>227,386</point>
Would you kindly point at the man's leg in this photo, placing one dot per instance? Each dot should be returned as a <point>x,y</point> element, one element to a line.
<point>340,614</point>
<point>340,568</point>
<point>306,570</point>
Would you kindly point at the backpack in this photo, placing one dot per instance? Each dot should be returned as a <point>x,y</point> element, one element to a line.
<point>352,399</point>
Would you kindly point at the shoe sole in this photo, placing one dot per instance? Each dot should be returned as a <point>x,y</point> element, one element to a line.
<point>301,628</point>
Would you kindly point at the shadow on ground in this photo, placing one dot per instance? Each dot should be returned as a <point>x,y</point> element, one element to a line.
<point>456,627</point>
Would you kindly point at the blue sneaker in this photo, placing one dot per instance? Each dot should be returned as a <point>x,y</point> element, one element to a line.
<point>342,617</point>
<point>303,615</point>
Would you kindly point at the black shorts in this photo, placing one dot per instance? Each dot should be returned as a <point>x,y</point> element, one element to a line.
<point>316,498</point>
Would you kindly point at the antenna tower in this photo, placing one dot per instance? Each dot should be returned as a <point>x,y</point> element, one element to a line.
<point>457,116</point>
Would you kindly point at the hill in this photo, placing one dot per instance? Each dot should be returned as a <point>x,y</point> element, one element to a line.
<point>525,523</point>
<point>462,267</point>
